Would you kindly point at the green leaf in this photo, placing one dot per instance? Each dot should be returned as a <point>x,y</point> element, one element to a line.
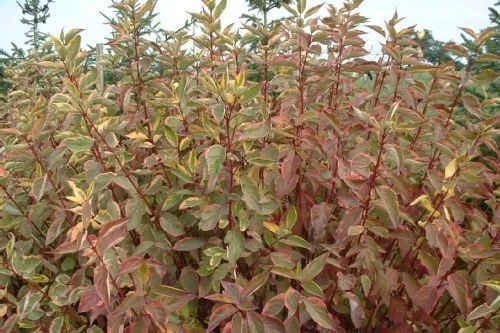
<point>73,48</point>
<point>56,325</point>
<point>215,156</point>
<point>189,244</point>
<point>314,268</point>
<point>251,93</point>
<point>190,203</point>
<point>171,136</point>
<point>251,195</point>
<point>171,224</point>
<point>254,131</point>
<point>256,283</point>
<point>219,9</point>
<point>301,5</point>
<point>297,241</point>
<point>291,217</point>
<point>135,211</point>
<point>312,288</point>
<point>316,308</point>
<point>236,245</point>
<point>79,144</point>
<point>389,201</point>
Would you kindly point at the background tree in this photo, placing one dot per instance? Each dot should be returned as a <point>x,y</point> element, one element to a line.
<point>433,50</point>
<point>35,13</point>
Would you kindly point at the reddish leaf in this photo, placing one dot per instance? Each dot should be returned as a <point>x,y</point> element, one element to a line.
<point>219,314</point>
<point>102,283</point>
<point>111,234</point>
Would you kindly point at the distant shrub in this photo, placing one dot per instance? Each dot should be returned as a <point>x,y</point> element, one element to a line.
<point>268,189</point>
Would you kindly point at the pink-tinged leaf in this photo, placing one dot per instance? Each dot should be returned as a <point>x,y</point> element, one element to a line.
<point>233,290</point>
<point>254,284</point>
<point>426,298</point>
<point>111,234</point>
<point>238,324</point>
<point>273,325</point>
<point>292,298</point>
<point>158,314</point>
<point>102,281</point>
<point>219,314</point>
<point>389,201</point>
<point>356,309</point>
<point>255,322</point>
<point>130,265</point>
<point>222,298</point>
<point>274,306</point>
<point>397,310</point>
<point>351,217</point>
<point>320,215</point>
<point>459,290</point>
<point>90,300</point>
<point>65,247</point>
<point>54,230</point>
<point>318,311</point>
<point>286,181</point>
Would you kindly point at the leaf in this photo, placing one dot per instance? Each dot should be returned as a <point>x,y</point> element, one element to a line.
<point>215,156</point>
<point>314,268</point>
<point>79,144</point>
<point>256,282</point>
<point>219,314</point>
<point>488,57</point>
<point>251,195</point>
<point>251,93</point>
<point>255,322</point>
<point>111,234</point>
<point>189,244</point>
<point>135,210</point>
<point>137,136</point>
<point>450,169</point>
<point>297,241</point>
<point>39,187</point>
<point>274,306</point>
<point>103,180</point>
<point>220,8</point>
<point>210,216</point>
<point>312,288</point>
<point>172,225</point>
<point>171,136</point>
<point>168,291</point>
<point>236,245</point>
<point>316,308</point>
<point>459,290</point>
<point>73,48</point>
<point>190,203</point>
<point>479,312</point>
<point>56,325</point>
<point>389,200</point>
<point>472,105</point>
<point>89,300</point>
<point>291,217</point>
<point>102,282</point>
<point>320,215</point>
<point>356,310</point>
<point>254,131</point>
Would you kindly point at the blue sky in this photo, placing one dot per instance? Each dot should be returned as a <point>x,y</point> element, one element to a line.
<point>441,16</point>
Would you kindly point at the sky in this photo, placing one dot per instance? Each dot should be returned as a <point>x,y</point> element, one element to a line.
<point>442,17</point>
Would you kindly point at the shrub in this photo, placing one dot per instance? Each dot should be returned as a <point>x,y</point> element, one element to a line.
<point>270,189</point>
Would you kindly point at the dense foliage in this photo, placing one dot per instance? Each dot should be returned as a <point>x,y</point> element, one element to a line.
<point>267,189</point>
